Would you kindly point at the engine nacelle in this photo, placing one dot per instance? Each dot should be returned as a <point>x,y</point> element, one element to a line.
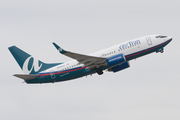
<point>120,67</point>
<point>116,60</point>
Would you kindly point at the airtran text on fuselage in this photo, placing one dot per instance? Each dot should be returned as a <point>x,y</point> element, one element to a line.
<point>129,44</point>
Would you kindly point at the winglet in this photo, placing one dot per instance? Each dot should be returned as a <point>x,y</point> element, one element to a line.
<point>59,48</point>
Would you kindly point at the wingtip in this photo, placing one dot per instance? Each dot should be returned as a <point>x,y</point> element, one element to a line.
<point>57,47</point>
<point>11,47</point>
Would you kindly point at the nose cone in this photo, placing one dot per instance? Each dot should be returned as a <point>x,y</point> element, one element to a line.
<point>169,38</point>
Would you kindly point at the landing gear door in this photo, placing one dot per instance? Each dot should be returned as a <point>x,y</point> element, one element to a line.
<point>149,41</point>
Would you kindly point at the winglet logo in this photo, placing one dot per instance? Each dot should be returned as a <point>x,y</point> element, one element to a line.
<point>60,49</point>
<point>35,65</point>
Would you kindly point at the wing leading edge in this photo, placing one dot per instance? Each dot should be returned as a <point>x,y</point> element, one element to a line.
<point>87,60</point>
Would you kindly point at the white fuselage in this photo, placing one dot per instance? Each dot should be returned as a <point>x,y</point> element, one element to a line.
<point>127,48</point>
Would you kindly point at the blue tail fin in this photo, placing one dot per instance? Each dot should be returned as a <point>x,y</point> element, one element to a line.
<point>28,64</point>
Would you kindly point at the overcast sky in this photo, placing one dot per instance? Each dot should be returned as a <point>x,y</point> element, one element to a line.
<point>148,90</point>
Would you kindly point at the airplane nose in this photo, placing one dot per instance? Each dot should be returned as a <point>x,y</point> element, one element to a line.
<point>170,39</point>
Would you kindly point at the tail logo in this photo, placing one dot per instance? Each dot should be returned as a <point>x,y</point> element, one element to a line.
<point>35,65</point>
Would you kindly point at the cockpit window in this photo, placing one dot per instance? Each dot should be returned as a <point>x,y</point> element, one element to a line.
<point>161,36</point>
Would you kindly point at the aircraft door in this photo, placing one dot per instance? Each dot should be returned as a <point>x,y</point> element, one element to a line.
<point>53,76</point>
<point>149,41</point>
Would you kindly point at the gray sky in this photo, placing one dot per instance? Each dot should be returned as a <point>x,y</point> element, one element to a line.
<point>148,90</point>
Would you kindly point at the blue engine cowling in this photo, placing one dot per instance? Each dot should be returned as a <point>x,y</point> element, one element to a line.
<point>120,67</point>
<point>116,60</point>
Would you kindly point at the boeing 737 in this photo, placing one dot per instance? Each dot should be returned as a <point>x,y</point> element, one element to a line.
<point>112,59</point>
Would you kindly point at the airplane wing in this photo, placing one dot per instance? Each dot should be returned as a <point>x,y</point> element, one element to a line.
<point>87,60</point>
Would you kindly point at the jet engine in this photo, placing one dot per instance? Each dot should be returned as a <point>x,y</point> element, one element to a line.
<point>116,60</point>
<point>120,67</point>
<point>115,63</point>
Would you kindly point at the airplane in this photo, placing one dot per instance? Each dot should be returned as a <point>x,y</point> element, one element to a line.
<point>112,59</point>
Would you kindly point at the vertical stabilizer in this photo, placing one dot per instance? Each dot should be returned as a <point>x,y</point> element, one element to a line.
<point>27,63</point>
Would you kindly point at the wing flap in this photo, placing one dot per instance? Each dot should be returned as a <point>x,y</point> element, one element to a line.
<point>26,77</point>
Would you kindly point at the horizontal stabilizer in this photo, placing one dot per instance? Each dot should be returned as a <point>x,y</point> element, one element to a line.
<point>26,77</point>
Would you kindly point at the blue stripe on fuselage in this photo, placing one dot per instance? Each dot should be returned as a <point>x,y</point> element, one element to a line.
<point>60,72</point>
<point>86,72</point>
<point>147,50</point>
<point>130,55</point>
